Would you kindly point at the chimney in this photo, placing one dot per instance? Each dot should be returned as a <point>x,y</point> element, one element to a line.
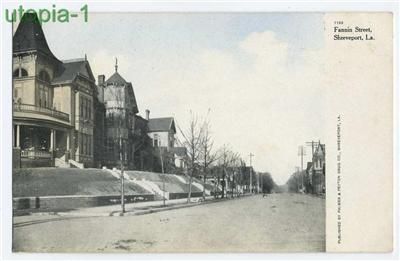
<point>147,114</point>
<point>101,79</point>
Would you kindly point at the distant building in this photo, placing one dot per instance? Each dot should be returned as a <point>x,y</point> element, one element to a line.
<point>315,172</point>
<point>145,156</point>
<point>162,132</point>
<point>318,169</point>
<point>121,109</point>
<point>180,154</point>
<point>308,178</point>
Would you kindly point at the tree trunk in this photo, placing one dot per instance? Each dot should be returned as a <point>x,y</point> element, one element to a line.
<point>204,186</point>
<point>223,186</point>
<point>190,189</point>
<point>217,184</point>
<point>233,185</point>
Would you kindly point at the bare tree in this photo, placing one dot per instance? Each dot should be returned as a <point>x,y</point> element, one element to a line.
<point>208,156</point>
<point>225,159</point>
<point>192,142</point>
<point>235,172</point>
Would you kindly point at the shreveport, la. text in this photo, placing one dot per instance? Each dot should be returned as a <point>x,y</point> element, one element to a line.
<point>351,33</point>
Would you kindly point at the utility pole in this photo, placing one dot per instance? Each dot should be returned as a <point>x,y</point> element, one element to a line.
<point>121,158</point>
<point>297,169</point>
<point>163,177</point>
<point>302,153</point>
<point>122,152</point>
<point>251,174</point>
<point>313,144</point>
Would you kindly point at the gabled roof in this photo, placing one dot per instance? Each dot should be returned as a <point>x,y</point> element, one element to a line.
<point>71,69</point>
<point>116,79</point>
<point>321,148</point>
<point>162,124</point>
<point>29,36</point>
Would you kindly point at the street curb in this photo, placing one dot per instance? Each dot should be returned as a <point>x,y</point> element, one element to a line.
<point>177,206</point>
<point>132,212</point>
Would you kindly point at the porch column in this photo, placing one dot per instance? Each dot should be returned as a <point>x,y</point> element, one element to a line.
<point>52,139</point>
<point>67,150</point>
<point>17,142</point>
<point>68,133</point>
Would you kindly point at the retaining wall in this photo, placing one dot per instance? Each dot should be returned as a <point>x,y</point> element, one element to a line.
<point>72,202</point>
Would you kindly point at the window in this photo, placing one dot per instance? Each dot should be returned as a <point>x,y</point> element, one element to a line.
<point>44,76</point>
<point>20,73</point>
<point>46,96</point>
<point>84,144</point>
<point>155,140</point>
<point>81,145</point>
<point>85,106</point>
<point>90,111</point>
<point>40,95</point>
<point>24,73</point>
<point>87,144</point>
<point>81,108</point>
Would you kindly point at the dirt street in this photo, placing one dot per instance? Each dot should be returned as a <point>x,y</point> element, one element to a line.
<point>276,223</point>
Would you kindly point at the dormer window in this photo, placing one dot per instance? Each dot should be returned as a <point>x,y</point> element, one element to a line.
<point>21,72</point>
<point>44,76</point>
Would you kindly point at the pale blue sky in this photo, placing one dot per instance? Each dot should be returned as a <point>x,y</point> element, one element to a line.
<point>144,32</point>
<point>248,68</point>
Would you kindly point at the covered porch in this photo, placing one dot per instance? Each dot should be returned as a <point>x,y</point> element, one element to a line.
<point>40,146</point>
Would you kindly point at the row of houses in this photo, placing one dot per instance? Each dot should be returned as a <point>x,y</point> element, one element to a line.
<point>312,179</point>
<point>315,171</point>
<point>62,117</point>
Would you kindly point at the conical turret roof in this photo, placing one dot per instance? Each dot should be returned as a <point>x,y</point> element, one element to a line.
<point>30,37</point>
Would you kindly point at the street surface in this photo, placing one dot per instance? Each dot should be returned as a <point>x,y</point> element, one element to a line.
<point>277,223</point>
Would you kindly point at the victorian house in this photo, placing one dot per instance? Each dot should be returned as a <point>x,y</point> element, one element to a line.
<point>53,118</point>
<point>318,173</point>
<point>315,172</point>
<point>162,132</point>
<point>62,118</point>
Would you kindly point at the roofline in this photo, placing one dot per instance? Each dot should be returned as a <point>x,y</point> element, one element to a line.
<point>71,81</point>
<point>37,51</point>
<point>74,60</point>
<point>162,118</point>
<point>158,130</point>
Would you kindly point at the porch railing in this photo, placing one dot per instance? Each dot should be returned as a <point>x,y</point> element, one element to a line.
<point>41,110</point>
<point>35,154</point>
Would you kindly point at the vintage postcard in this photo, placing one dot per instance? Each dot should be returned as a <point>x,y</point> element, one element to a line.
<point>207,132</point>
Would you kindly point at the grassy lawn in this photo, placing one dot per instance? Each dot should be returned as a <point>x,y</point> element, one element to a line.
<point>59,181</point>
<point>36,182</point>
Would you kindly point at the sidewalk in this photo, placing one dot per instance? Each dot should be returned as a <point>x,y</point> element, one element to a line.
<point>139,208</point>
